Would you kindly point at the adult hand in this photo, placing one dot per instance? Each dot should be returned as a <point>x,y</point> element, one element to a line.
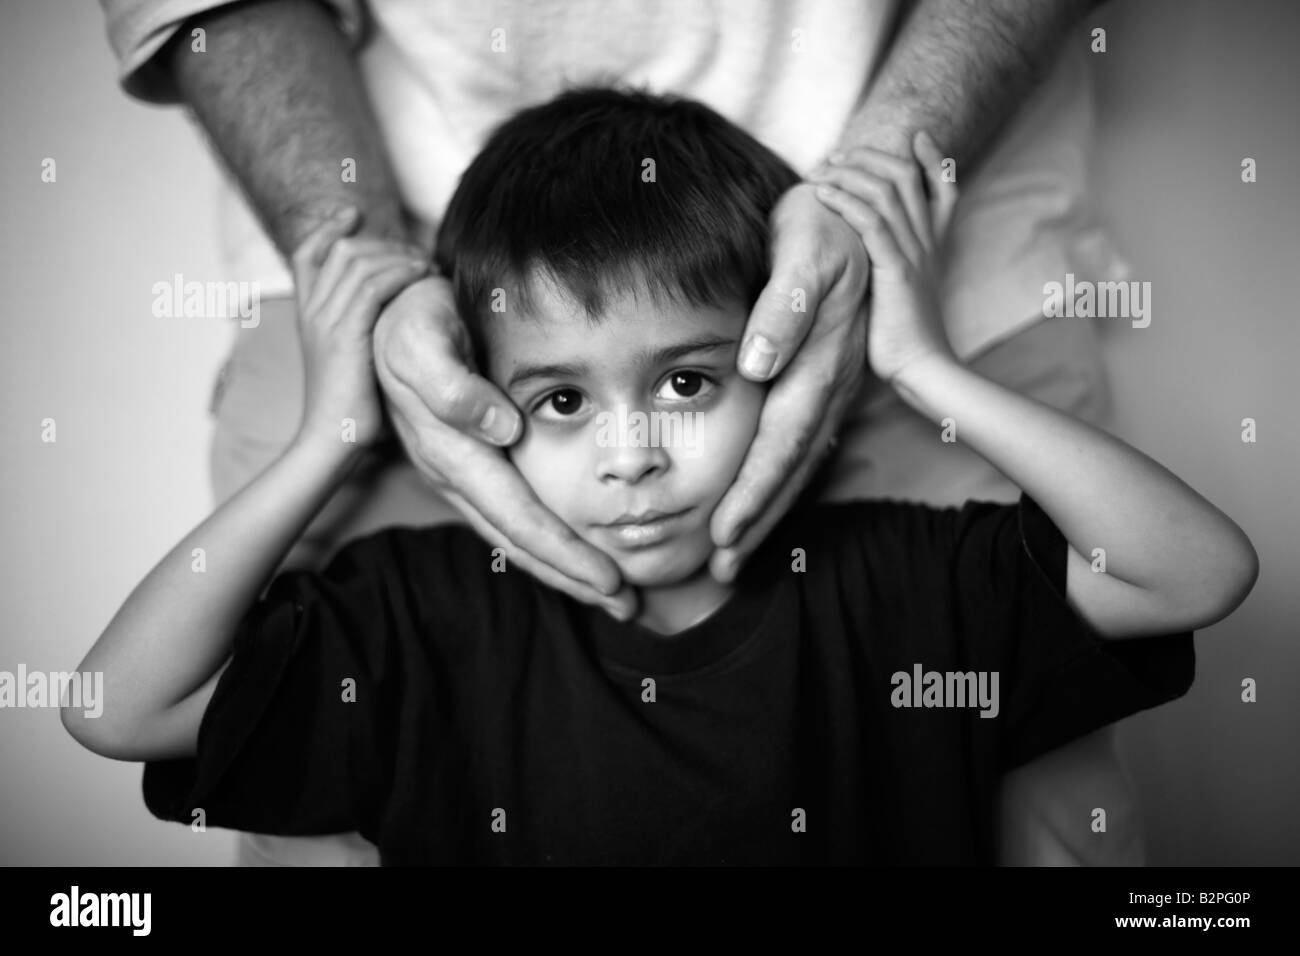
<point>808,332</point>
<point>454,424</point>
<point>901,208</point>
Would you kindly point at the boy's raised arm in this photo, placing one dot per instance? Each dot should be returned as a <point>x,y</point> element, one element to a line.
<point>163,650</point>
<point>1173,561</point>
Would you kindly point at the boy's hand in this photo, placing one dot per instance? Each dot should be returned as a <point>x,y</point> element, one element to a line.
<point>884,199</point>
<point>343,282</point>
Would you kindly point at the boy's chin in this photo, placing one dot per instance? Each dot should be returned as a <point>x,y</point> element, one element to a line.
<point>672,564</point>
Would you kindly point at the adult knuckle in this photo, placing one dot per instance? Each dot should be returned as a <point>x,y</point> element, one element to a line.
<point>795,448</point>
<point>827,381</point>
<point>429,449</point>
<point>452,395</point>
<point>849,361</point>
<point>898,166</point>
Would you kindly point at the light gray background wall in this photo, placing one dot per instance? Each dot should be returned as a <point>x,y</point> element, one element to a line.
<point>1186,90</point>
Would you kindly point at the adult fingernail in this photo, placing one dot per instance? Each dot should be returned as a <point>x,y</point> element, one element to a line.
<point>497,428</point>
<point>759,356</point>
<point>729,537</point>
<point>727,565</point>
<point>835,157</point>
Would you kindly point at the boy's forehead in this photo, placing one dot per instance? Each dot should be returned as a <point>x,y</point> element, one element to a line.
<point>556,331</point>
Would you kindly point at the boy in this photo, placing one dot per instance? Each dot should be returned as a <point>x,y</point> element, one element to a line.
<point>852,697</point>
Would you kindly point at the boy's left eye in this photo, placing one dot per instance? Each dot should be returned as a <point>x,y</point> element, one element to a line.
<point>681,385</point>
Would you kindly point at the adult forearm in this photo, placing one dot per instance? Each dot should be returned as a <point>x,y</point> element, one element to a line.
<point>282,102</point>
<point>959,68</point>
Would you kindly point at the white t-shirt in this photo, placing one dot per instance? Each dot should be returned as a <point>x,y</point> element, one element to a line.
<point>443,73</point>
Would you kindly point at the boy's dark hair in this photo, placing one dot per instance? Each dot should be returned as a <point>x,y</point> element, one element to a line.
<point>558,190</point>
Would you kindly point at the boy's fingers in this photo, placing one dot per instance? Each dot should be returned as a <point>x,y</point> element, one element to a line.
<point>340,257</point>
<point>869,224</point>
<point>883,196</point>
<point>310,254</point>
<point>908,179</point>
<point>943,193</point>
<point>368,284</point>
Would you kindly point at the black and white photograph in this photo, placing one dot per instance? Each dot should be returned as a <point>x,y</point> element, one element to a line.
<point>651,433</point>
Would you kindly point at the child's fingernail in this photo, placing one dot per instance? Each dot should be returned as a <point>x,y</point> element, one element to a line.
<point>759,355</point>
<point>835,157</point>
<point>346,213</point>
<point>824,191</point>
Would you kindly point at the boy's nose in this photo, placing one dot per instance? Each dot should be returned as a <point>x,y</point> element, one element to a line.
<point>630,461</point>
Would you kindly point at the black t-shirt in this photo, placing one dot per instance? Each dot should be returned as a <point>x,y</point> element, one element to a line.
<point>495,720</point>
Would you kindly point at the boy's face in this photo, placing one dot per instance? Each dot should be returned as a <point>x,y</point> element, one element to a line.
<point>635,426</point>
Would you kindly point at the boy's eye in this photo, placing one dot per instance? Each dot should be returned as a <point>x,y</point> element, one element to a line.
<point>564,402</point>
<point>684,385</point>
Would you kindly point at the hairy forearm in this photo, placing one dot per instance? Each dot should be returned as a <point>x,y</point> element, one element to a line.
<point>175,630</point>
<point>1158,534</point>
<point>281,100</point>
<point>959,68</point>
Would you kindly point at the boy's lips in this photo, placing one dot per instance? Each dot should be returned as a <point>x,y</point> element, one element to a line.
<point>644,528</point>
<point>641,517</point>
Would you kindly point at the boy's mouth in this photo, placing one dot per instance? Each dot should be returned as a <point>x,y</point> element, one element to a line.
<point>644,528</point>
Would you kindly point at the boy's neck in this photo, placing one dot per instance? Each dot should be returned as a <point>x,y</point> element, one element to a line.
<point>674,608</point>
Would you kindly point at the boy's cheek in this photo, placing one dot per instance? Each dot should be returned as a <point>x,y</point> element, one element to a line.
<point>729,433</point>
<point>548,469</point>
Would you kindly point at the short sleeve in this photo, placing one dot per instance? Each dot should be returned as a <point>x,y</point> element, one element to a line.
<point>1060,679</point>
<point>138,29</point>
<point>296,739</point>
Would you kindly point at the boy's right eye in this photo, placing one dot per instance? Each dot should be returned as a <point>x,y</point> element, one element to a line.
<point>561,403</point>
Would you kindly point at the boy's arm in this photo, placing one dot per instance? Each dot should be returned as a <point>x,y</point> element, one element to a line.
<point>1173,561</point>
<point>163,651</point>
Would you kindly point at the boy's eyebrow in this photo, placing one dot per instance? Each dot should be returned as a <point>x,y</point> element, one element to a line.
<point>644,359</point>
